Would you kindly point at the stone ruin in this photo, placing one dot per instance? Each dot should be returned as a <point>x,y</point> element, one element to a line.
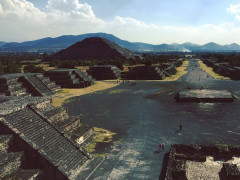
<point>26,85</point>
<point>69,78</point>
<point>204,95</point>
<point>104,72</point>
<point>39,141</point>
<point>152,72</point>
<point>145,73</point>
<point>191,162</point>
<point>224,69</point>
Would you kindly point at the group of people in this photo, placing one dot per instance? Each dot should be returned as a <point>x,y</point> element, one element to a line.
<point>161,146</point>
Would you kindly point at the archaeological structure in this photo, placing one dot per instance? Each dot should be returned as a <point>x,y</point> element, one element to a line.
<point>104,72</point>
<point>69,78</point>
<point>224,69</point>
<point>39,141</point>
<point>204,95</point>
<point>191,162</point>
<point>27,85</point>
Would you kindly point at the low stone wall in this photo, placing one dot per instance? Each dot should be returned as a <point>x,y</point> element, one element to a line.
<point>224,70</point>
<point>180,154</point>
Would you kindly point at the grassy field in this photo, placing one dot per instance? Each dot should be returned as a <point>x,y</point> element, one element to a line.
<point>63,95</point>
<point>210,71</point>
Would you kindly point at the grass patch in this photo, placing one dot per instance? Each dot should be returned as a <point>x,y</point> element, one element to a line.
<point>210,71</point>
<point>180,72</point>
<point>101,136</point>
<point>61,96</point>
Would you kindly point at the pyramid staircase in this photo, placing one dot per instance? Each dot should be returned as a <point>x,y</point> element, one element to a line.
<point>145,73</point>
<point>13,87</point>
<point>70,126</point>
<point>69,78</point>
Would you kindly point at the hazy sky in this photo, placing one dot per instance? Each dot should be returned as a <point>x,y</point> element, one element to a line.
<point>150,21</point>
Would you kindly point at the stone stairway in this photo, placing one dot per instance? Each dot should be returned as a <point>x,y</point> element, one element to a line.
<point>104,72</point>
<point>83,77</point>
<point>71,126</point>
<point>69,78</point>
<point>36,86</point>
<point>12,87</point>
<point>50,84</point>
<point>12,163</point>
<point>145,73</point>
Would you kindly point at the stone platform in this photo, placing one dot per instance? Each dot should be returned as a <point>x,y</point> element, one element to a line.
<point>204,95</point>
<point>69,78</point>
<point>40,141</point>
<point>191,162</point>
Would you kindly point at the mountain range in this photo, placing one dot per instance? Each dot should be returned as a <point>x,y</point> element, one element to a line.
<point>56,44</point>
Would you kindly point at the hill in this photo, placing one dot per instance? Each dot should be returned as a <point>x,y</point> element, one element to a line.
<point>56,44</point>
<point>93,48</point>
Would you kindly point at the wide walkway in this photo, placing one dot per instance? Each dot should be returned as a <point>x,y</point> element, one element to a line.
<point>146,114</point>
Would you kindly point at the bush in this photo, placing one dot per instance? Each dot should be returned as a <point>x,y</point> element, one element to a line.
<point>148,63</point>
<point>32,69</point>
<point>12,68</point>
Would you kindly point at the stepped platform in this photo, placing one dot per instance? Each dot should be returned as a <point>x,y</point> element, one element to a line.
<point>29,84</point>
<point>192,162</point>
<point>47,139</point>
<point>204,95</point>
<point>145,73</point>
<point>69,78</point>
<point>104,72</point>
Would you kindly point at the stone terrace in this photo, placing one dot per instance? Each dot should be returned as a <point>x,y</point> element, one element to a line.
<point>104,72</point>
<point>26,85</point>
<point>69,78</point>
<point>191,162</point>
<point>204,95</point>
<point>40,141</point>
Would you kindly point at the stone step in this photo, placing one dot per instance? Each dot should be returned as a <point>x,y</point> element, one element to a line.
<point>4,142</point>
<point>10,163</point>
<point>19,92</point>
<point>82,133</point>
<point>32,174</point>
<point>56,114</point>
<point>69,124</point>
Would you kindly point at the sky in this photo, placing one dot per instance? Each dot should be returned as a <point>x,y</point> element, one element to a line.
<point>149,21</point>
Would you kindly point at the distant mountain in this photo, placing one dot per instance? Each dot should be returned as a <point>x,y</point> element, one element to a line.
<point>93,48</point>
<point>56,44</point>
<point>2,43</point>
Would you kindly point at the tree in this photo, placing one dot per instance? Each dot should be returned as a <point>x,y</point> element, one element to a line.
<point>2,69</point>
<point>12,68</point>
<point>32,69</point>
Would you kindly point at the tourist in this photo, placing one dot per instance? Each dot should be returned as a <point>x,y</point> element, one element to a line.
<point>180,127</point>
<point>160,147</point>
<point>163,145</point>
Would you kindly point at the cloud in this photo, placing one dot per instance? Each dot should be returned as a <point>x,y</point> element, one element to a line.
<point>21,20</point>
<point>234,9</point>
<point>138,31</point>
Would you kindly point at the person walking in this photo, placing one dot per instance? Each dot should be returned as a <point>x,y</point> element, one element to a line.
<point>180,127</point>
<point>163,146</point>
<point>160,147</point>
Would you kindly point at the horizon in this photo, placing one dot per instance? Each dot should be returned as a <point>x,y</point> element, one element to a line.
<point>154,22</point>
<point>173,43</point>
